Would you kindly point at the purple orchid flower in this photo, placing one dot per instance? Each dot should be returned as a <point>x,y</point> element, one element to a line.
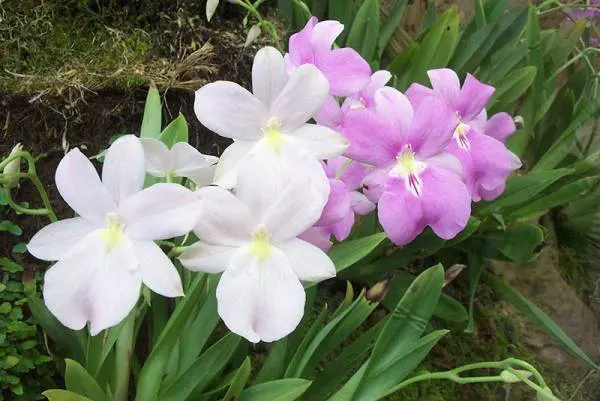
<point>346,71</point>
<point>417,184</point>
<point>345,201</point>
<point>478,143</point>
<point>332,114</point>
<point>590,12</point>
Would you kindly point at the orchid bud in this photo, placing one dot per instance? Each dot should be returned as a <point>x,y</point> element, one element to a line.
<point>378,291</point>
<point>519,120</point>
<point>13,167</point>
<point>510,377</point>
<point>253,34</point>
<point>211,7</point>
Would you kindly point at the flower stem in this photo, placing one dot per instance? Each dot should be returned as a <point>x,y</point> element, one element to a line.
<point>123,351</point>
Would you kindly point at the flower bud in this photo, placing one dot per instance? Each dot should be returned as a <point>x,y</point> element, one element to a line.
<point>211,7</point>
<point>13,167</point>
<point>253,34</point>
<point>378,291</point>
<point>519,120</point>
<point>510,377</point>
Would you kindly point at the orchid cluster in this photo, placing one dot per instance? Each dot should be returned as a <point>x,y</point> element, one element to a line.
<point>265,212</point>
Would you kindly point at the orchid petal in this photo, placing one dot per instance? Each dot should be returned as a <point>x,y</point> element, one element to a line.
<point>204,177</point>
<point>227,168</point>
<point>79,185</point>
<point>371,140</point>
<point>207,258</point>
<point>446,161</point>
<point>416,93</point>
<point>54,241</point>
<point>473,97</point>
<point>341,229</point>
<point>269,75</point>
<point>395,108</point>
<point>160,212</point>
<point>361,204</point>
<point>346,71</point>
<point>230,111</point>
<point>226,220</point>
<point>500,126</point>
<point>330,114</point>
<point>354,174</point>
<point>338,204</point>
<point>260,300</point>
<point>317,236</point>
<point>445,82</point>
<point>307,261</point>
<point>188,161</point>
<point>299,44</point>
<point>324,34</point>
<point>432,127</point>
<point>157,271</point>
<point>320,141</point>
<point>377,81</point>
<point>158,158</point>
<point>123,171</point>
<point>301,98</point>
<point>400,213</point>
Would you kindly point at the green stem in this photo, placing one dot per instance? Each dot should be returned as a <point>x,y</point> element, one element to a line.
<point>123,351</point>
<point>23,210</point>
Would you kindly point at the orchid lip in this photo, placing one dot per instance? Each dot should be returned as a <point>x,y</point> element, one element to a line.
<point>409,169</point>
<point>260,246</point>
<point>273,136</point>
<point>113,233</point>
<point>460,135</point>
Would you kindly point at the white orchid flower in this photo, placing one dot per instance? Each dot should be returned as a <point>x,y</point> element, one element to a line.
<point>106,253</point>
<point>252,238</point>
<point>274,117</point>
<point>182,160</point>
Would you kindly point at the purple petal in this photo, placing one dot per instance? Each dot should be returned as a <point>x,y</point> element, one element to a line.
<point>361,204</point>
<point>416,93</point>
<point>324,34</point>
<point>374,183</point>
<point>377,81</point>
<point>500,126</point>
<point>342,228</point>
<point>395,108</point>
<point>354,175</point>
<point>446,84</point>
<point>432,127</point>
<point>400,213</point>
<point>372,141</point>
<point>337,205</point>
<point>346,71</point>
<point>317,236</point>
<point>330,114</point>
<point>473,97</point>
<point>301,51</point>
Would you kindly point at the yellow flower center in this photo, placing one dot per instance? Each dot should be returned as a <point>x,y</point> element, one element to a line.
<point>260,245</point>
<point>113,233</point>
<point>408,168</point>
<point>460,135</point>
<point>273,135</point>
<point>358,104</point>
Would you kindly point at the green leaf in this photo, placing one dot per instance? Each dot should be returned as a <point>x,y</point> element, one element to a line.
<point>239,380</point>
<point>10,266</point>
<point>536,315</point>
<point>472,226</point>
<point>475,270</point>
<point>151,122</point>
<point>79,381</point>
<point>6,225</point>
<point>19,248</point>
<point>276,362</point>
<point>365,30</point>
<point>518,242</point>
<point>512,87</point>
<point>176,131</point>
<point>63,395</point>
<point>480,19</point>
<point>343,11</point>
<point>277,390</point>
<point>448,308</point>
<point>447,43</point>
<point>208,366</point>
<point>401,62</point>
<point>391,24</point>
<point>347,253</point>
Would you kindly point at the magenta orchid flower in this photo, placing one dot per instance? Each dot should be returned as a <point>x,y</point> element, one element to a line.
<point>345,201</point>
<point>182,160</point>
<point>332,114</point>
<point>416,183</point>
<point>346,71</point>
<point>106,253</point>
<point>478,143</point>
<point>273,119</point>
<point>252,238</point>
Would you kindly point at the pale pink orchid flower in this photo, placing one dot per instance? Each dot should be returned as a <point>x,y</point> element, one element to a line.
<point>252,238</point>
<point>106,253</point>
<point>346,71</point>
<point>182,160</point>
<point>273,118</point>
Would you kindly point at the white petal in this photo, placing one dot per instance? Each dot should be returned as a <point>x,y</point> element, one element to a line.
<point>261,301</point>
<point>158,272</point>
<point>225,219</point>
<point>115,287</point>
<point>320,141</point>
<point>207,258</point>
<point>227,168</point>
<point>268,75</point>
<point>124,168</point>
<point>79,185</point>
<point>158,158</point>
<point>204,177</point>
<point>230,110</point>
<point>211,7</point>
<point>307,261</point>
<point>301,98</point>
<point>55,240</point>
<point>161,211</point>
<point>188,161</point>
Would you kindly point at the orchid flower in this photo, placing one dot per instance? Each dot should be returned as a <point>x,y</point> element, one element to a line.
<point>486,161</point>
<point>182,160</point>
<point>13,167</point>
<point>346,71</point>
<point>345,201</point>
<point>272,119</point>
<point>416,183</point>
<point>252,238</point>
<point>332,114</point>
<point>106,253</point>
